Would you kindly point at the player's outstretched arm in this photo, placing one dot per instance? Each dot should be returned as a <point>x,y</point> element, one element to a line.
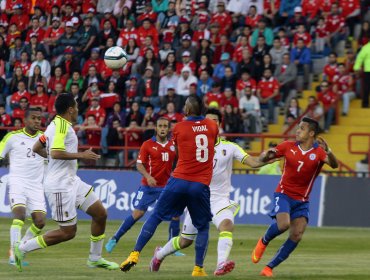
<point>63,155</point>
<point>330,159</point>
<point>151,181</point>
<point>267,156</point>
<point>256,162</point>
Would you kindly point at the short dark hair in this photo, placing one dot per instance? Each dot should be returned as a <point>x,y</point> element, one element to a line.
<point>214,111</point>
<point>63,102</point>
<point>30,110</point>
<point>162,119</point>
<point>313,125</point>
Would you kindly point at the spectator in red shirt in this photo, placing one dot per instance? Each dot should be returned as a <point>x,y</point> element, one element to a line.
<point>148,14</point>
<point>268,94</point>
<point>245,81</point>
<point>40,99</point>
<point>186,61</point>
<point>222,17</point>
<point>52,98</point>
<point>133,134</point>
<point>310,9</point>
<point>21,110</point>
<point>90,131</point>
<point>35,29</point>
<point>350,11</point>
<point>6,120</point>
<point>252,17</point>
<point>330,72</point>
<point>96,110</point>
<point>171,114</point>
<point>108,16</point>
<point>230,99</point>
<point>147,29</point>
<point>302,34</point>
<point>344,87</point>
<point>58,77</point>
<point>53,33</point>
<point>224,47</point>
<point>335,25</point>
<point>19,18</point>
<point>243,44</point>
<point>215,96</point>
<point>16,96</point>
<point>129,32</point>
<point>322,35</point>
<point>94,60</point>
<point>329,100</point>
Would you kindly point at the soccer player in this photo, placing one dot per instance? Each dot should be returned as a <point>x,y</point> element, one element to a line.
<point>64,190</point>
<point>188,186</point>
<point>25,179</point>
<point>304,159</point>
<point>155,162</point>
<point>223,209</point>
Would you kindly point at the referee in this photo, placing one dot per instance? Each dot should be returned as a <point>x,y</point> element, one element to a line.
<point>363,58</point>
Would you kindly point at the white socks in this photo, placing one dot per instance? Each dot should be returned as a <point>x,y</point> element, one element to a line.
<point>96,247</point>
<point>171,247</point>
<point>225,242</point>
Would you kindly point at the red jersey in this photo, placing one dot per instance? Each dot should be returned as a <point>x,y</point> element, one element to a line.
<point>331,71</point>
<point>252,21</point>
<point>40,34</point>
<point>174,117</point>
<point>267,6</point>
<point>238,52</point>
<point>215,97</point>
<point>157,159</point>
<point>349,7</point>
<point>40,101</point>
<point>200,35</point>
<point>6,120</point>
<point>53,81</point>
<point>21,21</point>
<point>97,63</point>
<point>98,113</point>
<point>224,19</point>
<point>93,137</point>
<point>334,23</point>
<point>310,8</point>
<point>305,36</point>
<point>233,101</point>
<point>25,67</point>
<point>195,139</point>
<point>52,33</point>
<point>240,84</point>
<point>322,31</point>
<point>142,33</point>
<point>344,83</point>
<point>18,113</point>
<point>127,34</point>
<point>325,5</point>
<point>267,87</point>
<point>327,99</point>
<point>192,65</point>
<point>16,96</point>
<point>300,169</point>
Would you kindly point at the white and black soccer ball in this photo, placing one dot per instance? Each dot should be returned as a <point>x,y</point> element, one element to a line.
<point>115,57</point>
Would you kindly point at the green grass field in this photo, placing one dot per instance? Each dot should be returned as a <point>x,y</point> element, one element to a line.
<point>325,253</point>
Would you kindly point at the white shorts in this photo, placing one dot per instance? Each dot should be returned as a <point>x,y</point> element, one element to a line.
<point>64,205</point>
<point>26,195</point>
<point>222,208</point>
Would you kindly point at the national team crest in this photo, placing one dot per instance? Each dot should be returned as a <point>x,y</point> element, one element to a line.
<point>224,152</point>
<point>172,148</point>
<point>312,156</point>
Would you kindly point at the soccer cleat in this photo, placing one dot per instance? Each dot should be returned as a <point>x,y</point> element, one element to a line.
<point>131,261</point>
<point>155,263</point>
<point>198,272</point>
<point>178,254</point>
<point>18,256</point>
<point>267,272</point>
<point>111,244</point>
<point>102,263</point>
<point>258,251</point>
<point>224,268</point>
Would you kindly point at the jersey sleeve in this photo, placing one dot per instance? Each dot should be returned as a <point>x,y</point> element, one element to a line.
<point>238,153</point>
<point>143,154</point>
<point>61,128</point>
<point>5,145</point>
<point>281,149</point>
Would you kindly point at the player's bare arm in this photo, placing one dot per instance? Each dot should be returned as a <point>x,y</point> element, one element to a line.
<point>330,159</point>
<point>151,181</point>
<point>63,155</point>
<point>267,156</point>
<point>256,162</point>
<point>39,149</point>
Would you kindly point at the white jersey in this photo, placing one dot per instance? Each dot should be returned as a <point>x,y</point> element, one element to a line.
<point>26,167</point>
<point>225,153</point>
<point>61,174</point>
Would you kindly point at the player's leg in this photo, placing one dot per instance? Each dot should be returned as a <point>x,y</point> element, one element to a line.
<point>176,243</point>
<point>200,212</point>
<point>169,204</point>
<point>224,210</point>
<point>36,205</point>
<point>144,197</point>
<point>88,202</point>
<point>281,213</point>
<point>19,215</point>
<point>173,231</point>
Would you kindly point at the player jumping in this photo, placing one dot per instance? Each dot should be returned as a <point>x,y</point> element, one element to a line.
<point>303,162</point>
<point>64,190</point>
<point>223,209</point>
<point>155,162</point>
<point>188,186</point>
<point>26,173</point>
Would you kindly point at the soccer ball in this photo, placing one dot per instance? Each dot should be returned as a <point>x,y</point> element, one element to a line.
<point>115,57</point>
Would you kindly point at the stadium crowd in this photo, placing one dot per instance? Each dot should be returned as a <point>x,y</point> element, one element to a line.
<point>249,58</point>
